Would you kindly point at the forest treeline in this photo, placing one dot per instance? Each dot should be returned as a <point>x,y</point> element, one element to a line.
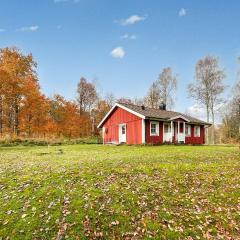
<point>25,112</point>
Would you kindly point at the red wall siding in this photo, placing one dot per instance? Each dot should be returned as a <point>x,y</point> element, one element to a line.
<point>133,127</point>
<point>196,140</point>
<point>153,139</point>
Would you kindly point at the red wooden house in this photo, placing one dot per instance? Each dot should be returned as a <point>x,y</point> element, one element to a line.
<point>132,124</point>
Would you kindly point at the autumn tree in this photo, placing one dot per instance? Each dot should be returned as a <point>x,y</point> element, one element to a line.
<point>208,87</point>
<point>34,110</point>
<point>66,120</point>
<point>98,113</point>
<point>16,72</point>
<point>3,99</point>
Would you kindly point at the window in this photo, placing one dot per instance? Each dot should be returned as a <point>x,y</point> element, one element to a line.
<point>167,128</point>
<point>181,127</point>
<point>154,129</point>
<point>188,130</point>
<point>123,129</point>
<point>197,131</point>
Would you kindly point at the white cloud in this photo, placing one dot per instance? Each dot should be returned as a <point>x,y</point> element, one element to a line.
<point>118,52</point>
<point>199,112</point>
<point>132,20</point>
<point>196,111</point>
<point>182,12</point>
<point>28,29</point>
<point>2,30</point>
<point>129,36</point>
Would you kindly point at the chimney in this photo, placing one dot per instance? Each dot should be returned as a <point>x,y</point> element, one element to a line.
<point>143,107</point>
<point>163,106</point>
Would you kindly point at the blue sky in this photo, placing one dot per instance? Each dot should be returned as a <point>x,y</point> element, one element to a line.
<point>74,38</point>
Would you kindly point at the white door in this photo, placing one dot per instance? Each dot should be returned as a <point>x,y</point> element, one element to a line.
<point>122,133</point>
<point>181,135</point>
<point>167,133</point>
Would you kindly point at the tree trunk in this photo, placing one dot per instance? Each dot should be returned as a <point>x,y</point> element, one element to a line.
<point>1,116</point>
<point>207,132</point>
<point>16,118</point>
<point>29,128</point>
<point>213,126</point>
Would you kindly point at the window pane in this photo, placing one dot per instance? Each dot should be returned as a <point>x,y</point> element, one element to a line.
<point>197,131</point>
<point>188,130</point>
<point>153,128</point>
<point>123,129</point>
<point>166,128</point>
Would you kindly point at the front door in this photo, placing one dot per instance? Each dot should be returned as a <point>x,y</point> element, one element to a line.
<point>180,132</point>
<point>122,133</point>
<point>167,133</point>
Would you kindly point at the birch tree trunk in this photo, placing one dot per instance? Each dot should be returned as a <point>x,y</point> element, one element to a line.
<point>207,130</point>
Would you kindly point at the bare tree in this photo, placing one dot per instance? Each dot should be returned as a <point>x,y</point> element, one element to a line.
<point>138,101</point>
<point>167,84</point>
<point>162,89</point>
<point>208,87</point>
<point>231,117</point>
<point>236,106</point>
<point>86,95</point>
<point>110,99</point>
<point>153,99</point>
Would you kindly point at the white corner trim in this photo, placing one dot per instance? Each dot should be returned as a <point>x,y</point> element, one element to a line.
<point>143,132</point>
<point>180,116</point>
<point>103,134</point>
<point>157,128</point>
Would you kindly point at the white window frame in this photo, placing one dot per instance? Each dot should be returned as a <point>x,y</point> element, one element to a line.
<point>188,128</point>
<point>198,131</point>
<point>157,128</point>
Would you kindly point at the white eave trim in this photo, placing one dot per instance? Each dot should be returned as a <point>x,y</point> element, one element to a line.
<point>99,125</point>
<point>123,107</point>
<point>180,116</point>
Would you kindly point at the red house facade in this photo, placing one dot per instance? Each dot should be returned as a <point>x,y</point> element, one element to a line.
<point>132,124</point>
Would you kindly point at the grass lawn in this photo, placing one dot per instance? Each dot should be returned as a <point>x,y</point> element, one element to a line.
<point>124,192</point>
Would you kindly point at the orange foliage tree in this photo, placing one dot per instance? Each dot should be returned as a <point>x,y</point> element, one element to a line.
<point>26,112</point>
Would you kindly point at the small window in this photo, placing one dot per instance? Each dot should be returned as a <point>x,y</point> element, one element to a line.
<point>181,127</point>
<point>154,128</point>
<point>197,131</point>
<point>188,130</point>
<point>123,129</point>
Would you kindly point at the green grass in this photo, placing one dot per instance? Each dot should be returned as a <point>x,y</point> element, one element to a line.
<point>124,192</point>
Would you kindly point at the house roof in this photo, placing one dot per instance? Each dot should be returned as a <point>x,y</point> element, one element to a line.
<point>151,113</point>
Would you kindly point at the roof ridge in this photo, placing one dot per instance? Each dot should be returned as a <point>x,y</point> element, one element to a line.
<point>148,107</point>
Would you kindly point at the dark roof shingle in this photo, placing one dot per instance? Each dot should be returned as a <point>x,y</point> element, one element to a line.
<point>161,114</point>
